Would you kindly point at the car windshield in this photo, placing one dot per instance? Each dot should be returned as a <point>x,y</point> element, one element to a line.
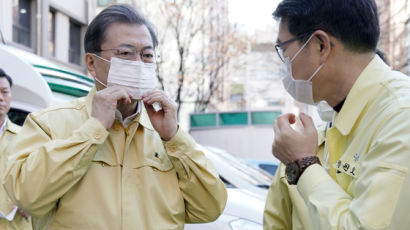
<point>243,169</point>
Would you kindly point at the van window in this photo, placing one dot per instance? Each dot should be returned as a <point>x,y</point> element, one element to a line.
<point>17,116</point>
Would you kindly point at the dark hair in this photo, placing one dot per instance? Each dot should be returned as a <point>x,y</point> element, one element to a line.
<point>3,74</point>
<point>354,22</point>
<point>95,34</point>
<point>382,55</point>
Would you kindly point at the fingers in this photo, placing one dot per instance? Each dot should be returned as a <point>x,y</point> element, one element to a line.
<point>275,127</point>
<point>146,94</point>
<point>307,122</point>
<point>284,121</point>
<point>153,96</point>
<point>119,94</point>
<point>291,118</point>
<point>158,96</point>
<point>150,109</point>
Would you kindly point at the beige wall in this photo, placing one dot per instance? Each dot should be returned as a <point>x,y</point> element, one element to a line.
<point>62,36</point>
<point>76,9</point>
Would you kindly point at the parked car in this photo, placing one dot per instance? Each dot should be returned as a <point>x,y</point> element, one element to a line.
<point>243,211</point>
<point>247,188</point>
<point>268,166</point>
<point>237,173</point>
<point>40,83</point>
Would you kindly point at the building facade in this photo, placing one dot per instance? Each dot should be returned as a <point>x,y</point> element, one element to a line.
<point>52,29</point>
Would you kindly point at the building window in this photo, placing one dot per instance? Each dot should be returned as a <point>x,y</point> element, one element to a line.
<point>75,43</point>
<point>105,3</point>
<point>21,22</point>
<point>51,32</point>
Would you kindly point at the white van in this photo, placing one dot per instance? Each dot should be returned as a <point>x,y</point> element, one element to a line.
<point>39,83</point>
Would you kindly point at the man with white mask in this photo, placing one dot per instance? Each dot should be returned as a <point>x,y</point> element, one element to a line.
<point>110,161</point>
<point>360,178</point>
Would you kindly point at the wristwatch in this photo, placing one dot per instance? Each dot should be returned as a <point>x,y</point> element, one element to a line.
<point>295,169</point>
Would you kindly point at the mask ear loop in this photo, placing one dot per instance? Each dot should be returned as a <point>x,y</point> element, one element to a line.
<point>96,79</point>
<point>314,74</point>
<point>301,48</point>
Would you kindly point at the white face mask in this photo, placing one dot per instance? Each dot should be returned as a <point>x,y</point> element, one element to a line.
<point>325,111</point>
<point>138,77</point>
<point>300,90</point>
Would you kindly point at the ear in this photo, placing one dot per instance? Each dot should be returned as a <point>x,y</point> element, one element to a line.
<point>90,62</point>
<point>325,44</point>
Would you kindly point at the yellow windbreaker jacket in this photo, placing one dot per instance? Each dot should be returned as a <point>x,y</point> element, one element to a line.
<point>6,204</point>
<point>365,180</point>
<point>69,172</point>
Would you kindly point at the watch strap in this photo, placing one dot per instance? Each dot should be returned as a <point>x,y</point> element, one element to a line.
<point>303,164</point>
<point>306,162</point>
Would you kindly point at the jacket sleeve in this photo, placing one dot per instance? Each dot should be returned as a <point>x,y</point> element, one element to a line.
<point>203,191</point>
<point>42,169</point>
<point>278,207</point>
<point>380,195</point>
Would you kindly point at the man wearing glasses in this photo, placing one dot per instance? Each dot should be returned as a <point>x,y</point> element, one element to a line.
<point>111,160</point>
<point>360,179</point>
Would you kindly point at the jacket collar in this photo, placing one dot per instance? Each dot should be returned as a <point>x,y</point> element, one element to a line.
<point>143,118</point>
<point>11,127</point>
<point>363,91</point>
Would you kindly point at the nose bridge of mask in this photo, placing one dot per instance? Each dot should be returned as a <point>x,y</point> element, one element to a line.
<point>131,71</point>
<point>138,77</point>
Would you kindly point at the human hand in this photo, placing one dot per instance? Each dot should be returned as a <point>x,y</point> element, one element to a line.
<point>164,121</point>
<point>105,103</point>
<point>289,144</point>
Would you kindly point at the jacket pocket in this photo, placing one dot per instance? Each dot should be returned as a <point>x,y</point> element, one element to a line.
<point>105,155</point>
<point>155,158</point>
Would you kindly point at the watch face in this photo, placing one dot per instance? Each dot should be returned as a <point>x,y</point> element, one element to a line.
<point>292,172</point>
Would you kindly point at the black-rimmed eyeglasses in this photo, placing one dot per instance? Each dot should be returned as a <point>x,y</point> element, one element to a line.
<point>130,53</point>
<point>278,45</point>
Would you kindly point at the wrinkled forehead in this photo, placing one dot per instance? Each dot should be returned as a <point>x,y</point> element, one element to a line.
<point>127,35</point>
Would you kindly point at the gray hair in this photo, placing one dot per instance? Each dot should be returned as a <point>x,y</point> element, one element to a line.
<point>95,34</point>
